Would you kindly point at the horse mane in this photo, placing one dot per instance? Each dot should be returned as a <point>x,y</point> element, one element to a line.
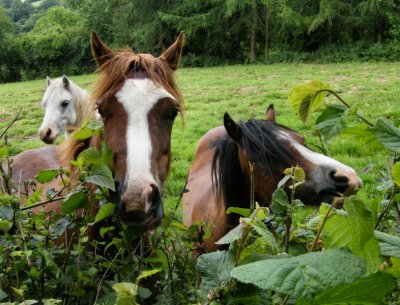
<point>265,146</point>
<point>113,73</point>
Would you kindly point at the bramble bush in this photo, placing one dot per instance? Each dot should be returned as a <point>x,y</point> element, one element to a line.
<point>344,253</point>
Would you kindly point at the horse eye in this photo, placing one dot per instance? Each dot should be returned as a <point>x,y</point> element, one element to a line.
<point>64,103</point>
<point>101,112</point>
<point>173,113</point>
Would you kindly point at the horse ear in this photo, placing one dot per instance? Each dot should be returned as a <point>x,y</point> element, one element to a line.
<point>101,52</point>
<point>233,129</point>
<point>48,81</point>
<point>270,114</point>
<point>173,54</point>
<point>65,81</point>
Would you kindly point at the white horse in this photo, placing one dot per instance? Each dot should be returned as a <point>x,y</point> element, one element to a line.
<point>64,104</point>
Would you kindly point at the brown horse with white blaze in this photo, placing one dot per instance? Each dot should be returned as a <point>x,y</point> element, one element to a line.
<point>138,100</point>
<point>220,175</point>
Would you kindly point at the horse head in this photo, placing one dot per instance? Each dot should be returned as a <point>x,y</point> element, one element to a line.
<point>266,149</point>
<point>138,100</point>
<point>64,103</point>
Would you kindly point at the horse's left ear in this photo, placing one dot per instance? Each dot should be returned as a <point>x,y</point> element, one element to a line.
<point>233,129</point>
<point>65,81</point>
<point>172,55</point>
<point>270,114</point>
<point>101,52</point>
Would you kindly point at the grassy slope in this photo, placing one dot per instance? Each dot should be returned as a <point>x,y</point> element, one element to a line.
<point>243,91</point>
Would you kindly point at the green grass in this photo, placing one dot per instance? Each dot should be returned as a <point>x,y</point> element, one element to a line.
<point>244,92</point>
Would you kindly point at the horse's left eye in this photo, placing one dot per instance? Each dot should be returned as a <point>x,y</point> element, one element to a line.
<point>64,103</point>
<point>172,114</point>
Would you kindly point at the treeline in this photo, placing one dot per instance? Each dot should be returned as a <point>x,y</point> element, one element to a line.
<point>51,37</point>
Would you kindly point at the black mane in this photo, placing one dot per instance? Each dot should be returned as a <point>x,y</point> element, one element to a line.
<point>266,147</point>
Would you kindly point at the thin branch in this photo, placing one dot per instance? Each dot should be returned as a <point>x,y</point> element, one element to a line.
<point>344,103</point>
<point>12,122</point>
<point>328,214</point>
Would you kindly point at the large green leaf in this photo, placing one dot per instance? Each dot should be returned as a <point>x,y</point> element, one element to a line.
<point>266,235</point>
<point>353,230</point>
<point>74,201</point>
<point>91,156</point>
<point>101,175</point>
<point>367,291</point>
<point>363,134</point>
<point>46,175</point>
<point>215,269</point>
<point>387,134</point>
<point>280,203</point>
<point>35,197</point>
<point>126,293</point>
<point>304,275</point>
<point>332,121</point>
<point>105,211</point>
<point>235,234</point>
<point>389,244</point>
<point>305,98</point>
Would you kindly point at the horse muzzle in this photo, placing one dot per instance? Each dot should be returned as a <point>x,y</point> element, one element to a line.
<point>144,210</point>
<point>48,135</point>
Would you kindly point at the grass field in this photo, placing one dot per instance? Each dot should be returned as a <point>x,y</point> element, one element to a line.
<point>244,92</point>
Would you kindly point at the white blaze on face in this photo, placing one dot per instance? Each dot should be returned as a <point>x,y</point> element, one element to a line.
<point>321,160</point>
<point>138,97</point>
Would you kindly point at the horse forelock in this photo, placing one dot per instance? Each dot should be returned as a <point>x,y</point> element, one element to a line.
<point>118,68</point>
<point>267,144</point>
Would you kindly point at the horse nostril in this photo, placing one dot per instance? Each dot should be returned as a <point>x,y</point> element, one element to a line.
<point>339,179</point>
<point>152,192</point>
<point>48,132</point>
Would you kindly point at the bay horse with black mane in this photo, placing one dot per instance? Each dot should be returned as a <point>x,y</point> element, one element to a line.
<point>138,100</point>
<point>220,176</point>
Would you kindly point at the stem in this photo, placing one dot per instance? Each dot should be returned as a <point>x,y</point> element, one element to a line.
<point>12,122</point>
<point>344,103</point>
<point>103,277</point>
<point>285,300</point>
<point>323,223</point>
<point>391,202</point>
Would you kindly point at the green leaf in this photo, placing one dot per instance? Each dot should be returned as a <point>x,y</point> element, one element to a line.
<point>35,197</point>
<point>126,293</point>
<point>240,211</point>
<point>101,175</point>
<point>74,201</point>
<point>269,238</point>
<point>396,173</point>
<point>354,230</point>
<point>105,211</point>
<point>5,225</point>
<point>367,291</point>
<point>387,134</point>
<point>91,156</point>
<point>147,273</point>
<point>362,134</point>
<point>389,244</point>
<point>3,295</point>
<point>235,234</point>
<point>88,129</point>
<point>6,212</point>
<point>280,203</point>
<point>215,269</point>
<point>60,226</point>
<point>305,98</point>
<point>46,175</point>
<point>332,121</point>
<point>304,275</point>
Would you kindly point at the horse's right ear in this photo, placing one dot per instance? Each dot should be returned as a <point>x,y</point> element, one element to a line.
<point>101,52</point>
<point>233,129</point>
<point>48,81</point>
<point>270,114</point>
<point>173,54</point>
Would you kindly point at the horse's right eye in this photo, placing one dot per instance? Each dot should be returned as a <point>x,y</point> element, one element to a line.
<point>64,104</point>
<point>101,112</point>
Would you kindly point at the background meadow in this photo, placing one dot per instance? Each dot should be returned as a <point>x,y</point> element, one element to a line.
<point>245,91</point>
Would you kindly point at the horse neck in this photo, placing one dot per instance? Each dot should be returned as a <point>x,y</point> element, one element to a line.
<point>83,106</point>
<point>71,148</point>
<point>231,184</point>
